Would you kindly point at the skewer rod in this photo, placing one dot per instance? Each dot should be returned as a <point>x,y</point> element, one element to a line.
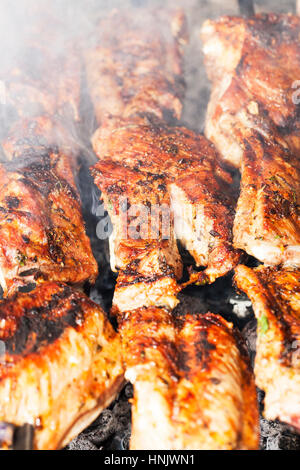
<point>246,7</point>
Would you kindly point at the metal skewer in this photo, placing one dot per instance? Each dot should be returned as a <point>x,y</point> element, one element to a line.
<point>23,437</point>
<point>16,437</point>
<point>246,7</point>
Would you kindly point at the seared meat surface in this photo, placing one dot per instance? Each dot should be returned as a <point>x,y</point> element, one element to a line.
<point>44,81</point>
<point>253,63</point>
<point>144,163</point>
<point>42,234</point>
<point>253,120</point>
<point>136,64</point>
<point>149,354</point>
<point>42,230</point>
<point>29,138</point>
<point>267,221</point>
<point>275,296</point>
<point>193,385</point>
<point>60,365</point>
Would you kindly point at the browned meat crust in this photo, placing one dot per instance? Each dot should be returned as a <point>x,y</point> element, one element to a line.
<point>253,119</point>
<point>61,364</point>
<point>42,234</point>
<point>42,230</point>
<point>253,61</point>
<point>267,221</point>
<point>145,162</point>
<point>197,373</point>
<point>275,296</point>
<point>30,138</point>
<point>137,68</point>
<point>44,81</point>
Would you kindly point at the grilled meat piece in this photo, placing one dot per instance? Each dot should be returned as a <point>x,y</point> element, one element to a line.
<point>254,63</point>
<point>197,373</point>
<point>30,138</point>
<point>267,221</point>
<point>216,404</point>
<point>144,166</point>
<point>42,233</point>
<point>60,365</point>
<point>42,96</point>
<point>133,192</point>
<point>41,81</point>
<point>137,68</point>
<point>149,278</point>
<point>149,354</point>
<point>275,296</point>
<point>252,119</point>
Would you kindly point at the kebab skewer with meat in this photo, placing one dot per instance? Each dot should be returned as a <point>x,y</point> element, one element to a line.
<point>147,162</point>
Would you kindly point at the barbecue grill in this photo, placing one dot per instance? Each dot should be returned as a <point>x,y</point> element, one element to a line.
<point>111,430</point>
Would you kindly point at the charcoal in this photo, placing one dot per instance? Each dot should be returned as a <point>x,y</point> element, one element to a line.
<point>249,333</point>
<point>81,443</point>
<point>277,436</point>
<point>128,391</point>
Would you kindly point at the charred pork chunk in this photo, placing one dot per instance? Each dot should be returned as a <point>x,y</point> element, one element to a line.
<point>275,296</point>
<point>253,120</point>
<point>40,114</point>
<point>30,138</point>
<point>193,385</point>
<point>149,354</point>
<point>43,81</point>
<point>267,221</point>
<point>145,166</point>
<point>254,65</point>
<point>42,96</point>
<point>60,365</point>
<point>42,233</point>
<point>136,65</point>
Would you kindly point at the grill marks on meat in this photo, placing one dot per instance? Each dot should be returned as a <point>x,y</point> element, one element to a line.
<point>144,162</point>
<point>61,362</point>
<point>267,221</point>
<point>42,103</point>
<point>149,263</point>
<point>30,138</point>
<point>253,119</point>
<point>198,376</point>
<point>252,63</point>
<point>137,68</point>
<point>216,404</point>
<point>275,296</point>
<point>43,82</point>
<point>42,230</point>
<point>149,353</point>
<point>41,226</point>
